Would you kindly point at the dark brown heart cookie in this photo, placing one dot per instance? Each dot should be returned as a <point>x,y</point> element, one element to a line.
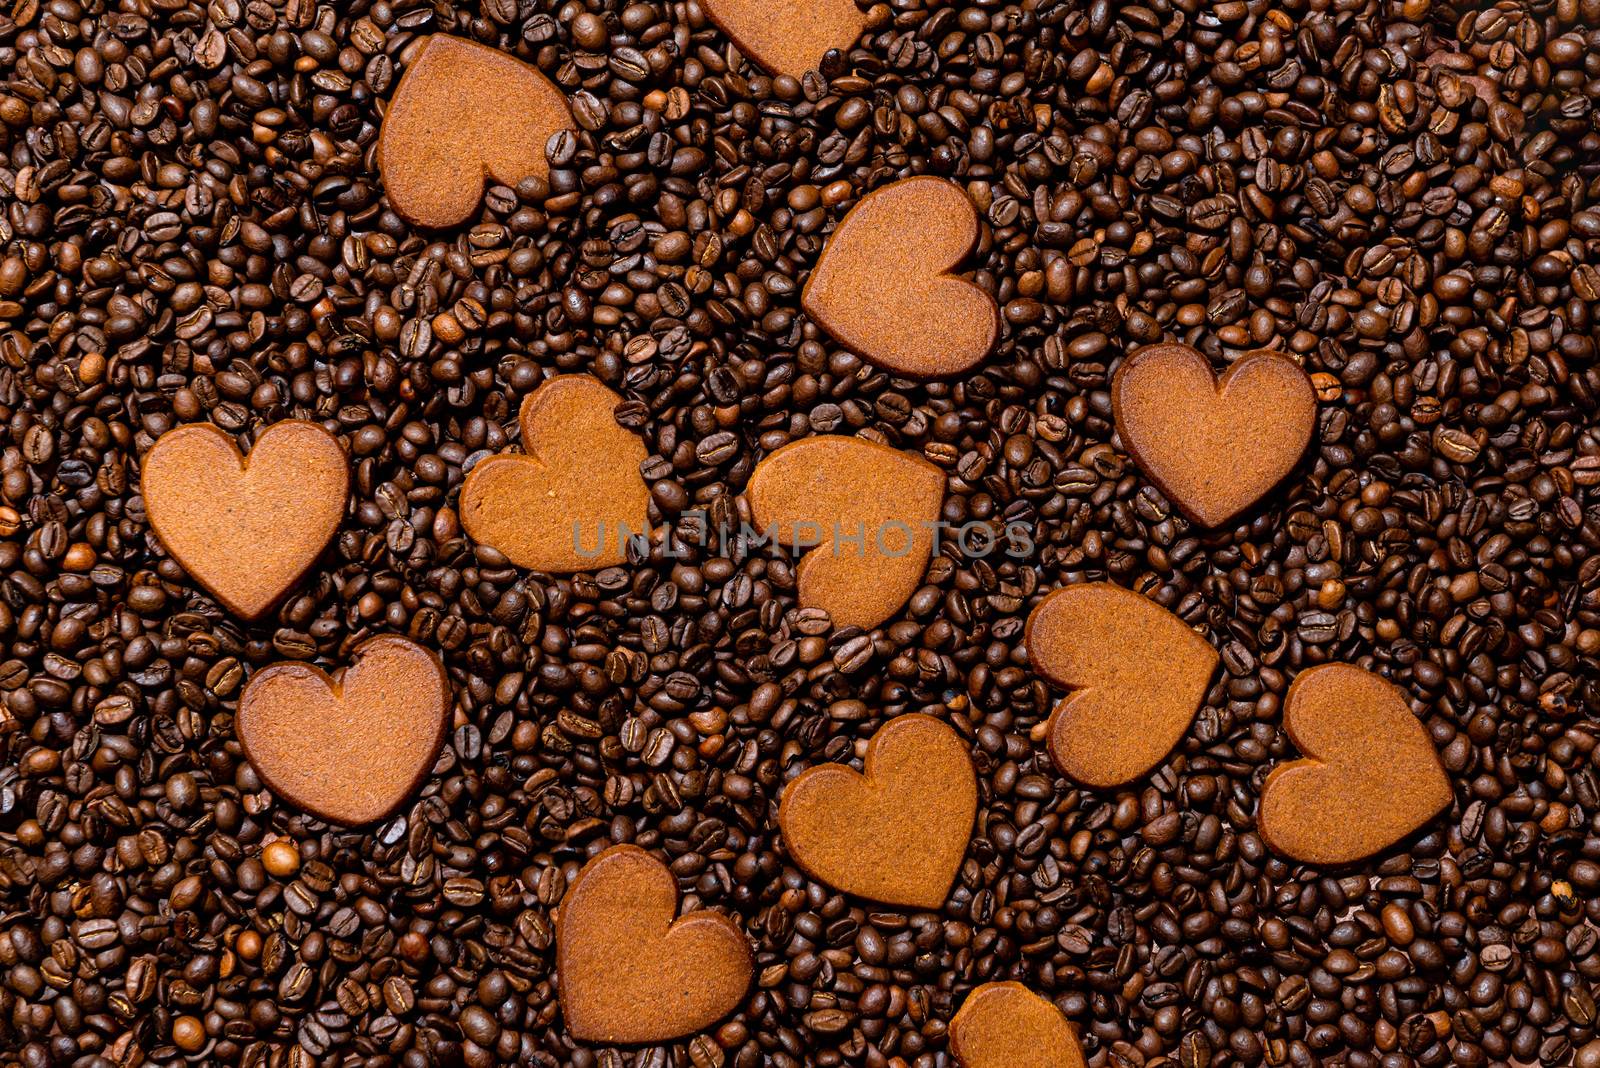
<point>1370,776</point>
<point>351,749</point>
<point>896,830</point>
<point>1138,674</point>
<point>574,496</point>
<point>464,112</point>
<point>246,527</point>
<point>630,968</point>
<point>866,512</point>
<point>788,36</point>
<point>1215,446</point>
<point>886,286</point>
<point>1006,1025</point>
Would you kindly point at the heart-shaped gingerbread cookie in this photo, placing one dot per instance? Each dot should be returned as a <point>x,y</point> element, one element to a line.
<point>1213,446</point>
<point>789,36</point>
<point>867,512</point>
<point>353,749</point>
<point>246,528</point>
<point>884,286</point>
<point>1139,674</point>
<point>628,971</point>
<point>1006,1025</point>
<point>896,830</point>
<point>575,497</point>
<point>464,111</point>
<point>1370,776</point>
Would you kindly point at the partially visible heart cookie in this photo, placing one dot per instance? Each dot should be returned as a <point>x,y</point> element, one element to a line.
<point>575,496</point>
<point>246,528</point>
<point>352,749</point>
<point>789,36</point>
<point>1370,776</point>
<point>884,286</point>
<point>631,972</point>
<point>867,509</point>
<point>464,111</point>
<point>1213,446</point>
<point>1138,673</point>
<point>1006,1025</point>
<point>896,830</point>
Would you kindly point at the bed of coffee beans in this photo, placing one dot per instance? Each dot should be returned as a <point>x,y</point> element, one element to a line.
<point>1404,195</point>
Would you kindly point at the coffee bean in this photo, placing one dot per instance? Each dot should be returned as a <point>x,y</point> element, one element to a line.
<point>1396,197</point>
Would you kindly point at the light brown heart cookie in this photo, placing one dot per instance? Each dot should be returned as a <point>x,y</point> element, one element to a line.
<point>245,528</point>
<point>896,830</point>
<point>790,36</point>
<point>1370,776</point>
<point>1006,1025</point>
<point>352,749</point>
<point>1139,674</point>
<point>1214,446</point>
<point>628,971</point>
<point>571,501</point>
<point>868,510</point>
<point>883,286</point>
<point>464,111</point>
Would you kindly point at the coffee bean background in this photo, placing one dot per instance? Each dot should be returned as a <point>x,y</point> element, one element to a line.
<point>1400,192</point>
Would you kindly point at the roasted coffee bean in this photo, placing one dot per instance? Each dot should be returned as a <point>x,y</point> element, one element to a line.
<point>1400,197</point>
